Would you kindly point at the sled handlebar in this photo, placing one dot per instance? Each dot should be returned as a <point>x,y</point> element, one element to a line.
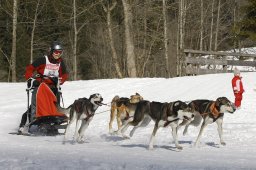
<point>55,80</point>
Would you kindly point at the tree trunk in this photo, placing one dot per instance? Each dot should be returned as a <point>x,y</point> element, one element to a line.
<point>109,24</point>
<point>201,25</point>
<point>211,29</point>
<point>181,36</point>
<point>217,28</point>
<point>14,39</point>
<point>166,40</point>
<point>75,42</point>
<point>33,32</point>
<point>131,65</point>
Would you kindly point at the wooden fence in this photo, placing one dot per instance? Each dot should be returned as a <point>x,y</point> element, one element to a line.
<point>209,62</point>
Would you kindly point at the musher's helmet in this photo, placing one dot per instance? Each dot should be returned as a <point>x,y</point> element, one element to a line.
<point>56,48</point>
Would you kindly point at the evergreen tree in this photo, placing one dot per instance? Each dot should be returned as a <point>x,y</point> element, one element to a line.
<point>248,23</point>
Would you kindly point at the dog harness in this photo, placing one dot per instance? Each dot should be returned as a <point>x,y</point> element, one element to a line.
<point>169,109</point>
<point>214,110</point>
<point>211,109</point>
<point>79,106</point>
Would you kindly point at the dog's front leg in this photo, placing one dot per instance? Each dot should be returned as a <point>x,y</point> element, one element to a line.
<point>152,138</point>
<point>112,117</point>
<point>185,131</point>
<point>186,124</point>
<point>144,123</point>
<point>124,128</point>
<point>66,133</point>
<point>66,130</point>
<point>175,136</point>
<point>204,124</point>
<point>82,129</point>
<point>220,130</point>
<point>75,137</point>
<point>119,124</point>
<point>183,123</point>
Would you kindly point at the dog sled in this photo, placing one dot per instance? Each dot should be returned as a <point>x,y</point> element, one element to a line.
<point>47,120</point>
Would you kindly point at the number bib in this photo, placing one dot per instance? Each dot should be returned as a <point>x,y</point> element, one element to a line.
<point>51,70</point>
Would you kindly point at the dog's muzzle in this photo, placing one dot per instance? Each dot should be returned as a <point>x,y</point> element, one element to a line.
<point>99,102</point>
<point>189,118</point>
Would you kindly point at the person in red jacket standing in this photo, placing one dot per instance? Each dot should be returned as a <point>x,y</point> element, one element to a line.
<point>49,69</point>
<point>238,89</point>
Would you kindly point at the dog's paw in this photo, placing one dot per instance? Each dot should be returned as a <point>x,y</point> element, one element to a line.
<point>81,141</point>
<point>196,145</point>
<point>179,147</point>
<point>117,132</point>
<point>73,142</point>
<point>223,143</point>
<point>126,137</point>
<point>150,148</point>
<point>111,131</point>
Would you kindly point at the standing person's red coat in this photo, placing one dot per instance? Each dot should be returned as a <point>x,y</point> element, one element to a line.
<point>238,88</point>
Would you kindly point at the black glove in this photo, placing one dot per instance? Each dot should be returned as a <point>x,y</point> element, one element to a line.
<point>31,83</point>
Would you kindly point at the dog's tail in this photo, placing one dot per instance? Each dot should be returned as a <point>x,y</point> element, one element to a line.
<point>65,111</point>
<point>114,103</point>
<point>115,99</point>
<point>197,120</point>
<point>142,108</point>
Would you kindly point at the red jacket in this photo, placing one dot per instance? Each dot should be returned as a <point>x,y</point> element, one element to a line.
<point>237,85</point>
<point>39,66</point>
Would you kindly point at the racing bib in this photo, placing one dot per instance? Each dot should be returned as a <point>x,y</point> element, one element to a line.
<point>51,70</point>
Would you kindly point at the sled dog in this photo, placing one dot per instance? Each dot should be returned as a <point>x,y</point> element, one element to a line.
<point>209,111</point>
<point>123,108</point>
<point>82,109</point>
<point>164,115</point>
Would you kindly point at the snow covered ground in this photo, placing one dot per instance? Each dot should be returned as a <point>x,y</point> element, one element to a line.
<point>103,151</point>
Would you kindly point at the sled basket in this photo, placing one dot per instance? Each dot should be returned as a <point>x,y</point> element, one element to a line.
<point>47,118</point>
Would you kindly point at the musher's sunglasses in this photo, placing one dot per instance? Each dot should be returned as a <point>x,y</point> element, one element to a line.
<point>57,52</point>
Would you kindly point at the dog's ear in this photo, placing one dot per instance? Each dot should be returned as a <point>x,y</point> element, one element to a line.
<point>218,101</point>
<point>91,96</point>
<point>177,103</point>
<point>137,94</point>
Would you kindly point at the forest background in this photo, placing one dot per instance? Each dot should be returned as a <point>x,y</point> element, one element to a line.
<point>106,39</point>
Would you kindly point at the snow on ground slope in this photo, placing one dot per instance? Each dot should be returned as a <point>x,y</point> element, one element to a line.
<point>103,151</point>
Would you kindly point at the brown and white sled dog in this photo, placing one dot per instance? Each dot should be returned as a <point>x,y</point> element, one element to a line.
<point>82,109</point>
<point>164,115</point>
<point>122,108</point>
<point>209,111</point>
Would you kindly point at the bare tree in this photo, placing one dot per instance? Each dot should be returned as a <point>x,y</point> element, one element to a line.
<point>75,41</point>
<point>76,31</point>
<point>131,65</point>
<point>108,10</point>
<point>217,27</point>
<point>201,24</point>
<point>166,39</point>
<point>14,39</point>
<point>180,38</point>
<point>33,31</point>
<point>211,27</point>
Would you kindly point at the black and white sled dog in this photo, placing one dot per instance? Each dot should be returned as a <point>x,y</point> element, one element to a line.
<point>164,115</point>
<point>82,109</point>
<point>209,111</point>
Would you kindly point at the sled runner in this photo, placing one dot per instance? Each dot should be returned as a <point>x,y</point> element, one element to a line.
<point>47,120</point>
